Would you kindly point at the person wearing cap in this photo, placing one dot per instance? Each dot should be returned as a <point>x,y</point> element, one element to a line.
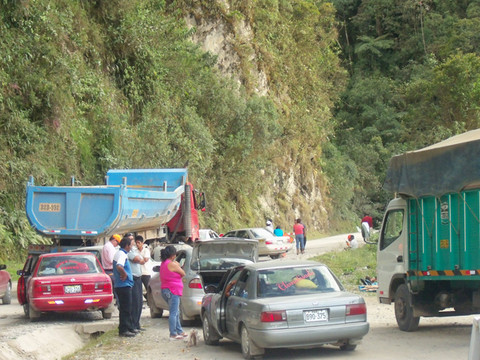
<point>352,243</point>
<point>269,226</point>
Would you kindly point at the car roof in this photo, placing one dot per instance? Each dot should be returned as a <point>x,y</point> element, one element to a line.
<point>275,264</point>
<point>67,254</point>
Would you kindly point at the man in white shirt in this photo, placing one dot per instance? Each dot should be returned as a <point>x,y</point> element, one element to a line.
<point>108,251</point>
<point>147,266</point>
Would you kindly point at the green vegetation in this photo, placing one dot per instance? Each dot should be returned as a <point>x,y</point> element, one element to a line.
<point>87,86</point>
<point>351,265</point>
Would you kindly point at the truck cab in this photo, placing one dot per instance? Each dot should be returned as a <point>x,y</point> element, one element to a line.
<point>392,255</point>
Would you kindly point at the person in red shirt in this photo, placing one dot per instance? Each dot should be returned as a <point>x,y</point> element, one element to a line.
<point>299,231</point>
<point>367,226</point>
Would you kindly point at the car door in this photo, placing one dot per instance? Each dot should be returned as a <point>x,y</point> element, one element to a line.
<point>236,303</point>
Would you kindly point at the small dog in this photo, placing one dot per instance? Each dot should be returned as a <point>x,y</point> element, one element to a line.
<point>192,338</point>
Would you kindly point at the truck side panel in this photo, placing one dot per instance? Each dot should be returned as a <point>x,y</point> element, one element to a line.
<point>444,234</point>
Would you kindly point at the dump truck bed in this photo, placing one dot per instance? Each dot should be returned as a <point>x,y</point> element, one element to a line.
<point>131,200</point>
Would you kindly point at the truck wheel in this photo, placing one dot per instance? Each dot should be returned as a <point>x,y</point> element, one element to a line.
<point>404,311</point>
<point>7,298</point>
<point>276,256</point>
<point>155,312</point>
<point>249,349</point>
<point>210,336</point>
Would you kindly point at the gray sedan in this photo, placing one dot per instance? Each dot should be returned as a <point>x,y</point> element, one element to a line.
<point>205,264</point>
<point>283,304</point>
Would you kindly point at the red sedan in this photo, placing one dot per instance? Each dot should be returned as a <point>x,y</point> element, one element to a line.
<point>64,282</point>
<point>5,285</point>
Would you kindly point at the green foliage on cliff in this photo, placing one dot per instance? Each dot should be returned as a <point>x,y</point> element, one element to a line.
<point>91,85</point>
<point>414,80</point>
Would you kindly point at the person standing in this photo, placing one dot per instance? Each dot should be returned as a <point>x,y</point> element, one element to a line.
<point>298,229</point>
<point>147,266</point>
<point>108,251</point>
<point>171,275</point>
<point>123,283</point>
<point>136,262</point>
<point>367,225</point>
<point>269,226</point>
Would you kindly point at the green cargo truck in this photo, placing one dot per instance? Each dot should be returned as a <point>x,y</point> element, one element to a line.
<point>428,259</point>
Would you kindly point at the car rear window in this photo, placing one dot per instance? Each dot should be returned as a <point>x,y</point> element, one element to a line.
<point>60,265</point>
<point>296,281</point>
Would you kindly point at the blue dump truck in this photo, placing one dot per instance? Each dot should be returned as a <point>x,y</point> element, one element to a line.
<point>156,203</point>
<point>428,259</point>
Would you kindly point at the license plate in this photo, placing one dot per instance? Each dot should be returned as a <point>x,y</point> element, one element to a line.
<point>315,315</point>
<point>73,289</point>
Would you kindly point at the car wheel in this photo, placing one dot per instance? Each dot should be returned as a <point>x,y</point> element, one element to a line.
<point>7,298</point>
<point>106,314</point>
<point>33,314</point>
<point>404,311</point>
<point>184,321</point>
<point>155,312</point>
<point>249,349</point>
<point>210,336</point>
<point>348,347</point>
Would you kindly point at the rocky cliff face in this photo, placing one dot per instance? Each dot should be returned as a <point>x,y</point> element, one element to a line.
<point>292,195</point>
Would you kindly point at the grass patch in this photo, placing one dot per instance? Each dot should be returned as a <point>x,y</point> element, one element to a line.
<point>107,340</point>
<point>353,265</point>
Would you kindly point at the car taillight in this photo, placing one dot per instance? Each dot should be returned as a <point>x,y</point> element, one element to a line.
<point>39,289</point>
<point>356,309</point>
<point>272,316</point>
<point>103,286</point>
<point>269,242</point>
<point>195,284</point>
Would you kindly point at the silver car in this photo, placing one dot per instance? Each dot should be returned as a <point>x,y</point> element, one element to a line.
<point>268,244</point>
<point>283,304</point>
<point>205,264</point>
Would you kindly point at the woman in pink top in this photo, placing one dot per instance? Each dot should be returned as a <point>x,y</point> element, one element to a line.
<point>171,275</point>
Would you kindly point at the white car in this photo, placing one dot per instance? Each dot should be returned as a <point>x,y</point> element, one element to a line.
<point>268,244</point>
<point>206,234</point>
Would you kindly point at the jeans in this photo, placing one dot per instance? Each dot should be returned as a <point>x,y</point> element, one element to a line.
<point>137,301</point>
<point>125,309</point>
<point>174,309</point>
<point>299,241</point>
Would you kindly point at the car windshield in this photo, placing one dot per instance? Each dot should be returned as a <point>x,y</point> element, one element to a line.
<point>59,265</point>
<point>260,233</point>
<point>296,281</point>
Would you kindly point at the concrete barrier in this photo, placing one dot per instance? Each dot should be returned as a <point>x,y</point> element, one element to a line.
<point>474,353</point>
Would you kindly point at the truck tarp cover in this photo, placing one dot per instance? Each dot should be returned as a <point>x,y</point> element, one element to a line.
<point>445,167</point>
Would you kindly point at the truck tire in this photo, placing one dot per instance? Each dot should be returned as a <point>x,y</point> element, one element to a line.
<point>404,311</point>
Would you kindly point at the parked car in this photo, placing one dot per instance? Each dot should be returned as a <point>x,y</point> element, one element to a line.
<point>283,304</point>
<point>64,282</point>
<point>205,263</point>
<point>268,244</point>
<point>206,234</point>
<point>5,285</point>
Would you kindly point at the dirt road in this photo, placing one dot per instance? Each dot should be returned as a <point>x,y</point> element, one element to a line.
<point>56,336</point>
